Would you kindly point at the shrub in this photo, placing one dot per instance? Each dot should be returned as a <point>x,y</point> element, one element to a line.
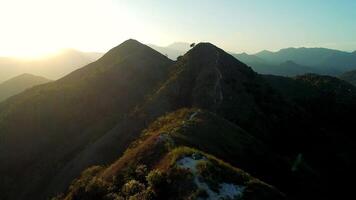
<point>95,189</point>
<point>155,179</point>
<point>132,187</point>
<point>141,173</point>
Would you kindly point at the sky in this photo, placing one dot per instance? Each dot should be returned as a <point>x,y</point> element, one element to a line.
<point>38,27</point>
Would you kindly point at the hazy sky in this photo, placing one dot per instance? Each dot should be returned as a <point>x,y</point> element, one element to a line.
<point>34,27</point>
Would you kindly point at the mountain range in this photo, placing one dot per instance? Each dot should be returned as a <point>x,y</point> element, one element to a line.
<point>285,62</point>
<point>301,61</point>
<point>136,125</point>
<point>53,67</point>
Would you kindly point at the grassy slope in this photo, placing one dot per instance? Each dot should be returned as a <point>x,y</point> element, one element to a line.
<point>161,145</point>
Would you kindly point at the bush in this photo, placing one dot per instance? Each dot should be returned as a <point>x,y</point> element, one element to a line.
<point>95,189</point>
<point>132,187</point>
<point>155,179</point>
<point>141,173</point>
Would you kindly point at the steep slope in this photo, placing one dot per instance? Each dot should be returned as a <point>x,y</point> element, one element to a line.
<point>209,78</point>
<point>19,84</point>
<point>42,128</point>
<point>178,172</point>
<point>349,77</point>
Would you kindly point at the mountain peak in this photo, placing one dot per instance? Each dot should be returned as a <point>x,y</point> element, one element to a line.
<point>204,49</point>
<point>132,48</point>
<point>27,76</point>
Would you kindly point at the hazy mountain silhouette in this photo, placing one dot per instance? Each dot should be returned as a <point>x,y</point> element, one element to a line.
<point>20,83</point>
<point>53,66</point>
<point>135,106</point>
<point>173,50</point>
<point>326,61</point>
<point>286,68</point>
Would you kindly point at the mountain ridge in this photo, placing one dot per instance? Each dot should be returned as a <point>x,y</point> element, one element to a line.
<point>106,105</point>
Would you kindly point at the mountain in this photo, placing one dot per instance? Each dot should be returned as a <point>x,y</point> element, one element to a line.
<point>54,66</point>
<point>349,77</point>
<point>287,68</point>
<point>20,83</point>
<point>305,56</point>
<point>149,123</point>
<point>248,59</point>
<point>327,61</point>
<point>173,50</point>
<point>81,106</point>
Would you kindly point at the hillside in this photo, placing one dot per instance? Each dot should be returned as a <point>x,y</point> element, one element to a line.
<point>18,84</point>
<point>349,77</point>
<point>165,163</point>
<point>292,133</point>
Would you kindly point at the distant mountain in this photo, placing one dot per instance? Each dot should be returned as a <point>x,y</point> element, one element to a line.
<point>19,84</point>
<point>326,61</point>
<point>53,67</point>
<point>180,46</point>
<point>173,50</point>
<point>287,68</point>
<point>304,56</point>
<point>349,77</point>
<point>246,58</point>
<point>154,128</point>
